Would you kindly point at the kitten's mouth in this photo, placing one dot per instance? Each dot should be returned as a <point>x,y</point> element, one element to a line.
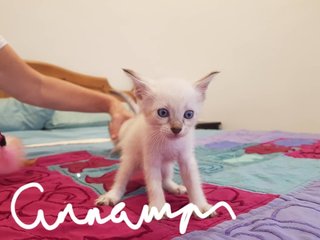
<point>175,136</point>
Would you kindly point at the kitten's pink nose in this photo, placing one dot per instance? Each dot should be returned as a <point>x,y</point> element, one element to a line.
<point>176,130</point>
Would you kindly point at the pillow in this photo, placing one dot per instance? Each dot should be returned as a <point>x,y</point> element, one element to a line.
<point>67,119</point>
<point>15,115</point>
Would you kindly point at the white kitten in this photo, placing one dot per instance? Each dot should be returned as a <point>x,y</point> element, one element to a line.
<point>163,132</point>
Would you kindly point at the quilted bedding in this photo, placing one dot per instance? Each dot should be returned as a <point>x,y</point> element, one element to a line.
<point>270,179</point>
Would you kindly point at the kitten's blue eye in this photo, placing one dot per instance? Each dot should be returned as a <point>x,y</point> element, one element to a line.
<point>162,112</point>
<point>188,114</point>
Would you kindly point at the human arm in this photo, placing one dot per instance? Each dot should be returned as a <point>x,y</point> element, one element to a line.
<point>29,86</point>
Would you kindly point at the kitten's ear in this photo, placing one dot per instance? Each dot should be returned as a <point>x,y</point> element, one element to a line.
<point>140,87</point>
<point>202,84</point>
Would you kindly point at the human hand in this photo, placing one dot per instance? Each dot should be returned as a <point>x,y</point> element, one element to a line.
<point>118,116</point>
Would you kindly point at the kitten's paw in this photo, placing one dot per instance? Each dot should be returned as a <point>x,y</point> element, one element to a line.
<point>158,205</point>
<point>206,208</point>
<point>174,188</point>
<point>108,198</point>
<point>179,190</point>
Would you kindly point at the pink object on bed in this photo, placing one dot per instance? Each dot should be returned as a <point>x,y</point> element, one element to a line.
<point>11,154</point>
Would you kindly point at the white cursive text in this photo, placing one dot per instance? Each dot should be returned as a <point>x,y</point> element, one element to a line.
<point>117,214</point>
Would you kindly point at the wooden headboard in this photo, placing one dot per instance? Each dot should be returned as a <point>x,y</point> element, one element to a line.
<point>95,83</point>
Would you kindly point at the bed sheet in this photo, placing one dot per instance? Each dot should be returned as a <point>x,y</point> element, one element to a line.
<point>270,179</point>
<point>96,140</point>
<point>59,139</point>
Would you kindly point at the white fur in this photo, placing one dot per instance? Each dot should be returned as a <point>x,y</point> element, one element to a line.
<point>148,142</point>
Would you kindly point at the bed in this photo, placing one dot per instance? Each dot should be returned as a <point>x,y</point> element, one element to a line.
<point>270,179</point>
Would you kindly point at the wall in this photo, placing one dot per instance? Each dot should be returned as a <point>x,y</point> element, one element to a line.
<point>268,51</point>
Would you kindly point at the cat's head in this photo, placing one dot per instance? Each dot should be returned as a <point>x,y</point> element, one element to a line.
<point>170,106</point>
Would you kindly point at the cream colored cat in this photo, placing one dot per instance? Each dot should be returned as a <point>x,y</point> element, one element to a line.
<point>162,133</point>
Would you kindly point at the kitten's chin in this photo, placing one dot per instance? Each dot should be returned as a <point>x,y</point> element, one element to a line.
<point>175,136</point>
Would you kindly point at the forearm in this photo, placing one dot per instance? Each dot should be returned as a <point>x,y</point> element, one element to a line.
<point>29,86</point>
<point>62,95</point>
<point>22,82</point>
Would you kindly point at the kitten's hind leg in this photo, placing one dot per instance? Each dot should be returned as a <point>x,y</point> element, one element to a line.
<point>168,184</point>
<point>112,197</point>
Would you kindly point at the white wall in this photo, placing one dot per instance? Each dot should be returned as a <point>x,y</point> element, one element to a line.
<point>268,51</point>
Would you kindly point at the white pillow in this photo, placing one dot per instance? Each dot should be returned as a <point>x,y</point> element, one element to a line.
<point>66,119</point>
<point>15,116</point>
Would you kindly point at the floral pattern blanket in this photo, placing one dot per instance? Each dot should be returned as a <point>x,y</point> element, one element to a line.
<point>270,179</point>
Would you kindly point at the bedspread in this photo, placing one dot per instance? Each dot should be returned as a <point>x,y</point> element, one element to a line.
<point>270,179</point>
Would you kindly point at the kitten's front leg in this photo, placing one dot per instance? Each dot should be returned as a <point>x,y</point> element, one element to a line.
<point>153,178</point>
<point>167,183</point>
<point>191,178</point>
<point>126,169</point>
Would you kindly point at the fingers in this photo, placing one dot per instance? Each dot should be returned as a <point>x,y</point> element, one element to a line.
<point>114,128</point>
<point>117,120</point>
